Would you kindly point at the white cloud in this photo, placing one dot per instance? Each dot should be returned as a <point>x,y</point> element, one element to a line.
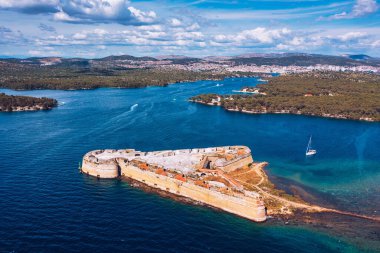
<point>35,52</point>
<point>8,36</point>
<point>257,35</point>
<point>222,38</point>
<point>283,47</point>
<point>262,35</point>
<point>157,37</point>
<point>175,22</point>
<point>188,35</point>
<point>351,35</point>
<point>84,11</point>
<point>202,44</point>
<point>277,14</point>
<point>193,27</point>
<point>99,32</point>
<point>80,36</point>
<point>361,8</point>
<point>364,7</point>
<point>150,28</point>
<point>44,52</point>
<point>64,17</point>
<point>143,17</point>
<point>354,40</point>
<point>30,6</point>
<point>376,44</point>
<point>297,41</point>
<point>153,35</point>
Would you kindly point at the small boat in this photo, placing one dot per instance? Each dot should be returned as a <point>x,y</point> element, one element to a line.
<point>309,150</point>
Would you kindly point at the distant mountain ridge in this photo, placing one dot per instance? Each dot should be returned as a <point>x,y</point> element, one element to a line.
<point>281,59</point>
<point>127,57</point>
<point>358,56</point>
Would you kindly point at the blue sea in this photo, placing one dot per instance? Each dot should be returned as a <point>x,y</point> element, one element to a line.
<point>46,205</point>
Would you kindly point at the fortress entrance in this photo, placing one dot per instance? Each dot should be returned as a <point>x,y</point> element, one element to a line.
<point>207,165</point>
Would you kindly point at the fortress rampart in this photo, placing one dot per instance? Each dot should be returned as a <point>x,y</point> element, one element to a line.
<point>197,174</point>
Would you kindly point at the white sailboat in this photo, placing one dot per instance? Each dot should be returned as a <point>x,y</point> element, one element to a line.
<point>309,150</point>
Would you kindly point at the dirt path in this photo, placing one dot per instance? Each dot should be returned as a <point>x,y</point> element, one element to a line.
<point>258,169</point>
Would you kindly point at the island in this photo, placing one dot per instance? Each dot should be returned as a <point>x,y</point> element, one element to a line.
<point>10,103</point>
<point>226,178</point>
<point>341,95</point>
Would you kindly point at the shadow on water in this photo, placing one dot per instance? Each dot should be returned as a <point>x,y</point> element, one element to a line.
<point>309,194</point>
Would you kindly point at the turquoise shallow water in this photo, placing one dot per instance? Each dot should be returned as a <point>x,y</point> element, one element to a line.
<point>46,205</point>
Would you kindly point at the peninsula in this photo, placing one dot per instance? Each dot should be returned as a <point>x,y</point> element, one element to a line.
<point>341,95</point>
<point>226,178</point>
<point>9,103</point>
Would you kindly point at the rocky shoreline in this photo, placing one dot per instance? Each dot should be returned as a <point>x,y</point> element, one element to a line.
<point>325,115</point>
<point>26,109</point>
<point>10,103</point>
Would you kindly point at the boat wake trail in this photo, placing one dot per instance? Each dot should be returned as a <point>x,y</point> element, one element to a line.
<point>119,118</point>
<point>218,85</point>
<point>133,107</point>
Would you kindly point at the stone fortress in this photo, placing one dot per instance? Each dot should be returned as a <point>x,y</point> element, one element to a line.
<point>203,175</point>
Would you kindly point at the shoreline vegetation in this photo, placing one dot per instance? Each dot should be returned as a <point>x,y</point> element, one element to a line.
<point>340,95</point>
<point>10,103</point>
<point>26,77</point>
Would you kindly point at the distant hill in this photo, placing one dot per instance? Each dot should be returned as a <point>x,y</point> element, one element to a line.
<point>126,57</point>
<point>358,57</point>
<point>300,59</point>
<point>286,59</point>
<point>218,58</point>
<point>171,56</point>
<point>269,55</point>
<point>281,59</point>
<point>179,59</point>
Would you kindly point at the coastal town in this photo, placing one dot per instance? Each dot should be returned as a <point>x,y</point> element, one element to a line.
<point>227,66</point>
<point>219,65</point>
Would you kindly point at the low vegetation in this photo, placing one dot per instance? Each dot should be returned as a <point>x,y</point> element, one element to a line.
<point>328,94</point>
<point>30,77</point>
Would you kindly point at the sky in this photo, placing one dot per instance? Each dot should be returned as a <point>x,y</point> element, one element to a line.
<point>98,28</point>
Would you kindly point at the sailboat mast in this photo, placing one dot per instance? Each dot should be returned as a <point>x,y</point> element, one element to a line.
<point>308,145</point>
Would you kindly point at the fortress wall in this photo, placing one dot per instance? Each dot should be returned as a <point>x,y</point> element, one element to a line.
<point>106,169</point>
<point>237,164</point>
<point>243,206</point>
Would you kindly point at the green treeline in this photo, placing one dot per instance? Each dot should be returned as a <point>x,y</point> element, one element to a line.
<point>346,95</point>
<point>29,77</point>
